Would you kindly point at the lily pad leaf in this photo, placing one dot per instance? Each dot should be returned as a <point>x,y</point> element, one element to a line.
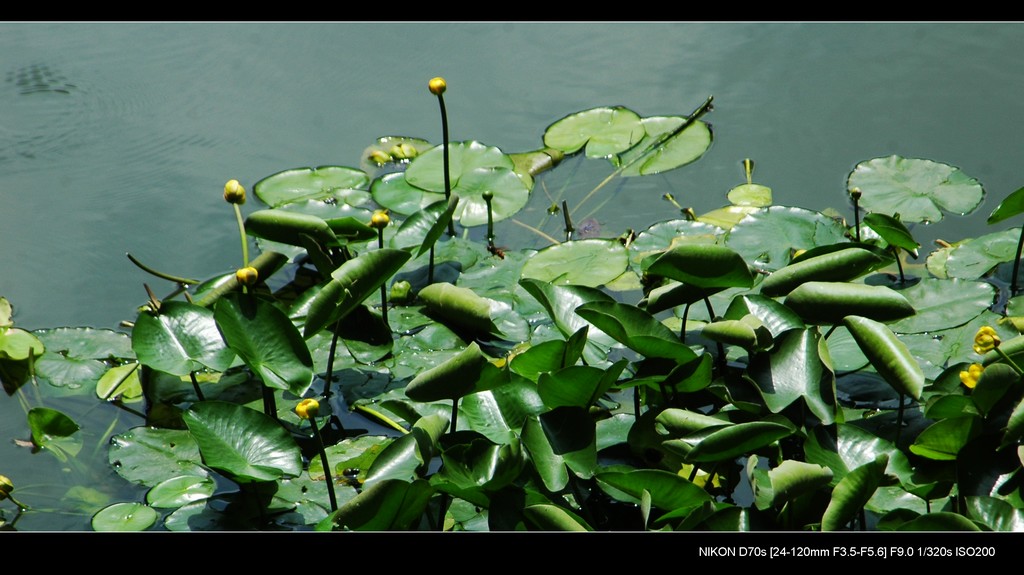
<point>591,262</point>
<point>735,440</point>
<point>124,517</point>
<point>844,262</point>
<point>604,131</point>
<point>452,379</point>
<point>426,226</point>
<point>386,505</point>
<point>675,151</point>
<point>827,303</point>
<point>267,341</point>
<point>1009,207</point>
<point>892,231</point>
<point>767,237</point>
<point>704,266</point>
<point>242,443</point>
<point>54,431</point>
<point>350,284</point>
<point>794,371</point>
<point>148,456</point>
<point>976,257</point>
<point>121,382</point>
<point>887,354</point>
<point>943,304</point>
<point>474,168</point>
<point>668,491</point>
<point>852,492</point>
<point>547,517</point>
<point>791,479</point>
<point>637,330</point>
<point>919,190</point>
<point>180,339</point>
<point>320,183</point>
<point>461,307</point>
<point>944,439</point>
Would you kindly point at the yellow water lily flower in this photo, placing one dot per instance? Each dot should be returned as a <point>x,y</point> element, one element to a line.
<point>970,377</point>
<point>307,408</point>
<point>247,276</point>
<point>985,340</point>
<point>437,86</point>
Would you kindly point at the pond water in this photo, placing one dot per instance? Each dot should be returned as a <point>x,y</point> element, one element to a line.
<point>118,137</point>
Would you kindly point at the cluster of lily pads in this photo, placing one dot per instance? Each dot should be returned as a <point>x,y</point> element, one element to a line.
<point>756,367</point>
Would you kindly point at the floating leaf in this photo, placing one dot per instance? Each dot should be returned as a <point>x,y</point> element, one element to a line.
<point>677,150</point>
<point>243,444</point>
<point>592,262</point>
<point>120,382</point>
<point>54,431</point>
<point>148,455</point>
<point>124,517</point>
<point>181,490</point>
<point>918,190</point>
<point>299,184</point>
<point>943,304</point>
<point>474,169</point>
<point>604,132</point>
<point>426,226</point>
<point>767,237</point>
<point>182,338</point>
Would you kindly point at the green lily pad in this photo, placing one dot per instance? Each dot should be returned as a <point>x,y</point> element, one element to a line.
<point>942,304</point>
<point>243,444</point>
<point>125,517</point>
<point>767,238</point>
<point>149,456</point>
<point>474,169</point>
<point>604,132</point>
<point>299,184</point>
<point>918,190</point>
<point>974,258</point>
<point>182,338</point>
<point>591,262</point>
<point>181,490</point>
<point>683,148</point>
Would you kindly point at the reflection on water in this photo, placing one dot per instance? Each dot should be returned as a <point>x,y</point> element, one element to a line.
<point>118,138</point>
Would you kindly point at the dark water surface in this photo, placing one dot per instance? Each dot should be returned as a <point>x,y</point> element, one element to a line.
<point>118,137</point>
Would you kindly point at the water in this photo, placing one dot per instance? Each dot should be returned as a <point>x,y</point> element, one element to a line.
<point>118,137</point>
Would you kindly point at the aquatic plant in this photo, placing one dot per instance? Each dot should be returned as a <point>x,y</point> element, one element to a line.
<point>568,387</point>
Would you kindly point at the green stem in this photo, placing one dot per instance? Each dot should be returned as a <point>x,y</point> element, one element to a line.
<point>856,217</point>
<point>330,360</point>
<point>266,264</point>
<point>383,287</point>
<point>1016,262</point>
<point>488,197</point>
<point>195,386</point>
<point>568,221</point>
<point>328,472</point>
<point>444,140</point>
<point>241,232</point>
<point>899,264</point>
<point>381,417</point>
<point>1010,362</point>
<point>161,275</point>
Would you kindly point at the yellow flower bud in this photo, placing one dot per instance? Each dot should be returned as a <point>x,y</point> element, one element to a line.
<point>247,276</point>
<point>401,292</point>
<point>307,408</point>
<point>404,151</point>
<point>855,193</point>
<point>970,377</point>
<point>6,487</point>
<point>234,193</point>
<point>380,157</point>
<point>380,219</point>
<point>985,340</point>
<point>438,86</point>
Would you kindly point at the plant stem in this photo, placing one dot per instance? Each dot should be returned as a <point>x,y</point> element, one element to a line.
<point>899,264</point>
<point>161,275</point>
<point>330,360</point>
<point>241,232</point>
<point>430,269</point>
<point>383,286</point>
<point>1009,361</point>
<point>1016,263</point>
<point>568,221</point>
<point>328,472</point>
<point>447,176</point>
<point>195,386</point>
